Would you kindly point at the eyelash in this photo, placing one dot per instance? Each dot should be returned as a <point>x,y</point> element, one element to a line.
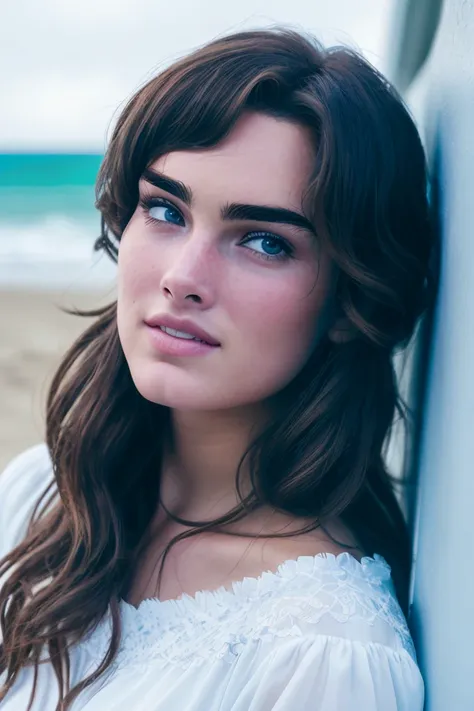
<point>147,202</point>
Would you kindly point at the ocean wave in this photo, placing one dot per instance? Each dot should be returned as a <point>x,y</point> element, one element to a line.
<point>55,251</point>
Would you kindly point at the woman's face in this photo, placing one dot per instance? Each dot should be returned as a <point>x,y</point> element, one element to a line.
<point>256,283</point>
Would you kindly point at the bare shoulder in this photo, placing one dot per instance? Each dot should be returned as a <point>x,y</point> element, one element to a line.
<point>333,538</point>
<point>268,552</point>
<point>211,560</point>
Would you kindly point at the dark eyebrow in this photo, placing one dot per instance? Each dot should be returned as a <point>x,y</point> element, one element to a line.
<point>174,187</point>
<point>234,211</point>
<point>264,213</point>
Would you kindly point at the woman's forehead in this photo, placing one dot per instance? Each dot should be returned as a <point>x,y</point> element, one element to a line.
<point>261,158</point>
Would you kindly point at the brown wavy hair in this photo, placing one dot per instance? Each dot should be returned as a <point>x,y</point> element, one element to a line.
<point>324,454</point>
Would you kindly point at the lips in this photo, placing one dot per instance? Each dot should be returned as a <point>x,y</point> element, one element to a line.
<point>182,325</point>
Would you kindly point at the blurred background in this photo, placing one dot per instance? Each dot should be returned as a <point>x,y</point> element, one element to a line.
<point>67,69</point>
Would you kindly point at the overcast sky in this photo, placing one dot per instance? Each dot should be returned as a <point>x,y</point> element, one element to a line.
<point>67,66</point>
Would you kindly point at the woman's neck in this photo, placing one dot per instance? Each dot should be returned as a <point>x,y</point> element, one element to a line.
<point>201,460</point>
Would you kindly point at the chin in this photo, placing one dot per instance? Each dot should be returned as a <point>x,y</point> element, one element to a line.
<point>180,393</point>
<point>172,390</point>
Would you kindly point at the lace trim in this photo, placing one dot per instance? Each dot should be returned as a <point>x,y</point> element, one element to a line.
<point>218,624</point>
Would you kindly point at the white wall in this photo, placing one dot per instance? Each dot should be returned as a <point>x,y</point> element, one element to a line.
<point>442,614</point>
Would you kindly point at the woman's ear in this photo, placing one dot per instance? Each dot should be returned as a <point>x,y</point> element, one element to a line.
<point>342,331</point>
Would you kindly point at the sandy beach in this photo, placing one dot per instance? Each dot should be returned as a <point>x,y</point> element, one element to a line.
<point>35,334</point>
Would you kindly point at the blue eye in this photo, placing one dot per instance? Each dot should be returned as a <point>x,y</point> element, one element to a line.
<point>160,210</point>
<point>274,248</point>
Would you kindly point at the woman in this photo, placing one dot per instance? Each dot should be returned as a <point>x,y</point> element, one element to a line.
<point>220,531</point>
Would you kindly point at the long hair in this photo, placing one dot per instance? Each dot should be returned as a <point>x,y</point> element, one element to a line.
<point>322,455</point>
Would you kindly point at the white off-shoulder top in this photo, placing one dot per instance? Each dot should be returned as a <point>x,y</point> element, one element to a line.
<point>322,633</point>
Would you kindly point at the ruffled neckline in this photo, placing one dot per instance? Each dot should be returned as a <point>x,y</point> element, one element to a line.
<point>374,570</point>
<point>192,629</point>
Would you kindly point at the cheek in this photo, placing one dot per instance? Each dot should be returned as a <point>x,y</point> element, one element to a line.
<point>281,319</point>
<point>135,278</point>
<point>131,273</point>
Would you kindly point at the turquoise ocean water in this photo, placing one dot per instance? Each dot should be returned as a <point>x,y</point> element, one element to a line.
<point>48,222</point>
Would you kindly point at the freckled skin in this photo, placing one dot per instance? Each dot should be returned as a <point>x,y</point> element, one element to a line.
<point>265,314</point>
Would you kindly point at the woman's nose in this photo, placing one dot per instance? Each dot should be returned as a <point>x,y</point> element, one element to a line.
<point>189,272</point>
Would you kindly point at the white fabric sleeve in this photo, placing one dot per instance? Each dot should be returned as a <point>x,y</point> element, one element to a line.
<point>329,673</point>
<point>21,483</point>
